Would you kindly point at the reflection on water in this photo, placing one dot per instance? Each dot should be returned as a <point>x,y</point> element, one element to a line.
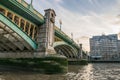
<point>101,71</point>
<point>80,72</point>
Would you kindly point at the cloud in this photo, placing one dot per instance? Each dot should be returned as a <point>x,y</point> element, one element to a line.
<point>58,1</point>
<point>91,1</point>
<point>92,24</point>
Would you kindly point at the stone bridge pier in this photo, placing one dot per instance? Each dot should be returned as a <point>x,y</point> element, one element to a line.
<point>45,37</point>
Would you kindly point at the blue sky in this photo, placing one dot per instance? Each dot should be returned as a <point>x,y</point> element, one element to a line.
<point>84,18</point>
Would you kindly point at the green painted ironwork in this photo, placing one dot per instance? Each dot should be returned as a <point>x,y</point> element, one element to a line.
<point>59,43</point>
<point>16,29</point>
<point>20,9</point>
<point>65,38</point>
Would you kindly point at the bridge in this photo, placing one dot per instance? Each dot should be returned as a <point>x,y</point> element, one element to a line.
<point>24,32</point>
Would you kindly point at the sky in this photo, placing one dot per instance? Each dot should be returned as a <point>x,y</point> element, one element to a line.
<point>84,18</point>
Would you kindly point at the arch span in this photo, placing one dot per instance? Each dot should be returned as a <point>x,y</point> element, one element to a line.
<point>17,34</point>
<point>65,49</point>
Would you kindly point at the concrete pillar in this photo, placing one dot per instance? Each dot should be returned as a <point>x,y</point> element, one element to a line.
<point>45,37</point>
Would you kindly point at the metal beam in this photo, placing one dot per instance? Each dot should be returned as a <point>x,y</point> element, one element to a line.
<point>68,50</point>
<point>73,53</point>
<point>15,39</point>
<point>1,49</point>
<point>17,30</point>
<point>62,50</point>
<point>6,42</point>
<point>4,47</point>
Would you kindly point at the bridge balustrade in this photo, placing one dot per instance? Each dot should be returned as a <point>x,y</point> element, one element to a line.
<point>67,38</point>
<point>29,28</point>
<point>27,6</point>
<point>56,28</point>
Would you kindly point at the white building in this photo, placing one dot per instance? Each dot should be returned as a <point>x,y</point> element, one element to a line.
<point>106,46</point>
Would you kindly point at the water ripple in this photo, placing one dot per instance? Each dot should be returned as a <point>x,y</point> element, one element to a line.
<point>96,71</point>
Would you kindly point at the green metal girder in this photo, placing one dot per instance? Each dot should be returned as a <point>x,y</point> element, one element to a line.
<point>17,30</point>
<point>61,43</point>
<point>64,43</point>
<point>65,38</point>
<point>18,8</point>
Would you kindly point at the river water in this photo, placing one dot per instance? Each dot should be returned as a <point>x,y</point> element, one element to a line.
<point>96,71</point>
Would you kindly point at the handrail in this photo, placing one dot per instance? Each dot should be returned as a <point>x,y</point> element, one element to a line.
<point>56,28</point>
<point>25,4</point>
<point>67,37</point>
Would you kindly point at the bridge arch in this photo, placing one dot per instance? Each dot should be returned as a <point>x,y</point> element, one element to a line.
<point>7,25</point>
<point>65,49</point>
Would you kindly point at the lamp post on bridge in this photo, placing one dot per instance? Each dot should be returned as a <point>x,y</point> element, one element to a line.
<point>31,2</point>
<point>30,5</point>
<point>60,21</point>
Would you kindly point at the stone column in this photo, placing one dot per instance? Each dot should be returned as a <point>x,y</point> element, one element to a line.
<point>45,37</point>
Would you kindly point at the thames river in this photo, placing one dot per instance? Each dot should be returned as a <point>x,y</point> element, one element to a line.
<point>95,71</point>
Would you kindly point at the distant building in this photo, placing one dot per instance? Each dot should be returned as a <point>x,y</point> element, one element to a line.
<point>106,47</point>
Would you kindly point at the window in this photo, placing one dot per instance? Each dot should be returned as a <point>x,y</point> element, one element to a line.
<point>2,11</point>
<point>10,15</point>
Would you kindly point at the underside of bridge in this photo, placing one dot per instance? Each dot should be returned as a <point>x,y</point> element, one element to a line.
<point>12,38</point>
<point>23,29</point>
<point>63,48</point>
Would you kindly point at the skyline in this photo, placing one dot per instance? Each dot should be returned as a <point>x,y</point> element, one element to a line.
<point>84,18</point>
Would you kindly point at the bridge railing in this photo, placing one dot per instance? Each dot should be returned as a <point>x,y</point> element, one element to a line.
<point>25,4</point>
<point>29,28</point>
<point>67,37</point>
<point>56,28</point>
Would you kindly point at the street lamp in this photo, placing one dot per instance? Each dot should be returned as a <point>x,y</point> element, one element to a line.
<point>31,2</point>
<point>60,21</point>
